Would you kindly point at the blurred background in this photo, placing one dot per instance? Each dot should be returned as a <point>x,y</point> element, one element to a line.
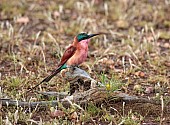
<point>135,51</point>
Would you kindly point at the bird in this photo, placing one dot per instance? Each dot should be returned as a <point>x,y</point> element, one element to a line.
<point>73,56</point>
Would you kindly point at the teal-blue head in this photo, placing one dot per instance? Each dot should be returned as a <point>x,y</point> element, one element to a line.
<point>83,36</point>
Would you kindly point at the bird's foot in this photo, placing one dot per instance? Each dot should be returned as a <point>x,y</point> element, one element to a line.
<point>73,67</point>
<point>77,66</point>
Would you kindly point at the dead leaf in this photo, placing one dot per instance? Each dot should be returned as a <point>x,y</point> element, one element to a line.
<point>107,62</point>
<point>149,90</point>
<point>57,113</point>
<point>74,115</point>
<point>166,45</point>
<point>167,63</point>
<point>140,73</point>
<point>122,24</point>
<point>98,1</point>
<point>23,20</point>
<point>56,14</point>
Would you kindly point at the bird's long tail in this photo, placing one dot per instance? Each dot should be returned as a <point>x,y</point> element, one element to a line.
<point>48,78</point>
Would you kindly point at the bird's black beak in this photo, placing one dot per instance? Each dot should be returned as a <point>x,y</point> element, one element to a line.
<point>92,35</point>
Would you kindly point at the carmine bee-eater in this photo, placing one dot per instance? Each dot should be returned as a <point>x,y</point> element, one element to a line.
<point>74,55</point>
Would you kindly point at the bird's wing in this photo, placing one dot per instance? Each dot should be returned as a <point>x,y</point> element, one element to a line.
<point>67,54</point>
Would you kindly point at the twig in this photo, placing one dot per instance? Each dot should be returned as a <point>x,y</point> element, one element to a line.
<point>9,102</point>
<point>60,95</point>
<point>95,95</point>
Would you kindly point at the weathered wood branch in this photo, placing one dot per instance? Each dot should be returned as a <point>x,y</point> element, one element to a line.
<point>96,93</point>
<point>59,95</point>
<point>10,102</point>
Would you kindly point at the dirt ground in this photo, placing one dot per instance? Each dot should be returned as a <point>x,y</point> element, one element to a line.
<point>135,53</point>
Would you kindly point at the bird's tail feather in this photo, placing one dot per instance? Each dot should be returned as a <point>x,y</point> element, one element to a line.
<point>48,78</point>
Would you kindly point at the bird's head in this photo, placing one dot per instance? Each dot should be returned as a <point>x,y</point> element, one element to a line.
<point>83,36</point>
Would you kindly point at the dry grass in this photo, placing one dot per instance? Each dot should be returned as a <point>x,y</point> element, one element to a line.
<point>136,53</point>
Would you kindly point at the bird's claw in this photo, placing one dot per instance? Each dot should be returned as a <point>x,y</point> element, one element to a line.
<point>73,67</point>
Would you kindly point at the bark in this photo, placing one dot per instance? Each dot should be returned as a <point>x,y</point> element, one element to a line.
<point>97,93</point>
